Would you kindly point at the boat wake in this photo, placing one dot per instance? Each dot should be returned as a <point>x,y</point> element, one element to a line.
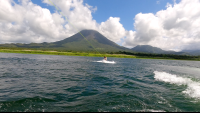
<point>193,87</point>
<point>105,61</point>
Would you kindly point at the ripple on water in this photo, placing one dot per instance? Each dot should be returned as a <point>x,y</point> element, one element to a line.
<point>47,83</point>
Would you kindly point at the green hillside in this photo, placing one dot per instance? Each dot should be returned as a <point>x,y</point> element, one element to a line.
<point>155,50</point>
<point>75,43</point>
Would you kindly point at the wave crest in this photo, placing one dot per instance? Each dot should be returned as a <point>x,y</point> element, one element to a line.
<point>193,88</point>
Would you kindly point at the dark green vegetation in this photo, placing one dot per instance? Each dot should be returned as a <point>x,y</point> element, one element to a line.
<point>66,53</point>
<point>95,44</point>
<point>161,56</point>
<point>119,54</point>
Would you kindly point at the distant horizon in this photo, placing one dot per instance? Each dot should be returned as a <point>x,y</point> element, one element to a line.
<point>166,24</point>
<point>97,31</point>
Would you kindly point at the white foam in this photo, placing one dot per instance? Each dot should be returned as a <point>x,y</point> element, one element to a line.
<point>193,88</point>
<point>150,110</point>
<point>105,61</point>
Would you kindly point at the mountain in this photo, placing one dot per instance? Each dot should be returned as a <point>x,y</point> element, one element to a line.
<point>150,49</point>
<point>192,52</point>
<point>76,43</point>
<point>147,49</point>
<point>93,41</point>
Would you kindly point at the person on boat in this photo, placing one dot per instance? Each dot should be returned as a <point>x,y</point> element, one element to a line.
<point>105,58</point>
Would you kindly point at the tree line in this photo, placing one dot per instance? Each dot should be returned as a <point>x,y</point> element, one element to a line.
<point>153,55</point>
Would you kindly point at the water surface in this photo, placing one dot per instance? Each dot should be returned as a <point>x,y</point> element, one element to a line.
<point>48,83</point>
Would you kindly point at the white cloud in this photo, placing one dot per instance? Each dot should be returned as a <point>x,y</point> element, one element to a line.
<point>91,8</point>
<point>113,29</point>
<point>158,2</point>
<point>175,28</point>
<point>27,22</point>
<point>78,15</point>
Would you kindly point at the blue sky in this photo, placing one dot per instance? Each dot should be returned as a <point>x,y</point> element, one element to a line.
<point>125,9</point>
<point>167,24</point>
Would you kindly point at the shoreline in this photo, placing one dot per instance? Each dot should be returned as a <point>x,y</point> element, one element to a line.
<point>65,53</point>
<point>28,51</point>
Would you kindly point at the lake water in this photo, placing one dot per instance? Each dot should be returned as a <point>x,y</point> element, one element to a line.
<point>48,83</point>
